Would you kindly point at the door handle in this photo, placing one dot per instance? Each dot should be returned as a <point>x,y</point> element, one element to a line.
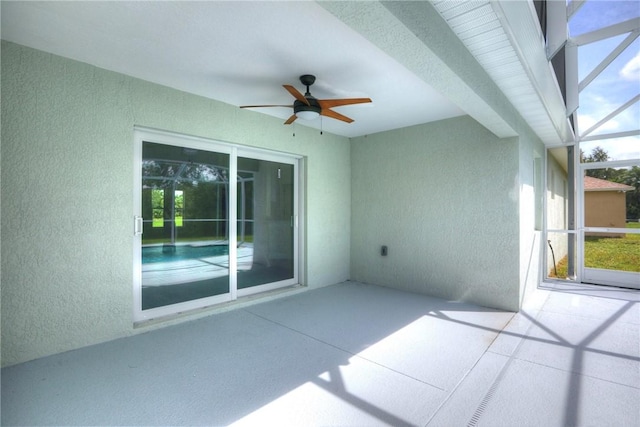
<point>137,226</point>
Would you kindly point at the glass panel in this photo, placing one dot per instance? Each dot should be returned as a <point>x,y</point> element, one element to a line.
<point>185,247</point>
<point>611,207</point>
<point>265,222</point>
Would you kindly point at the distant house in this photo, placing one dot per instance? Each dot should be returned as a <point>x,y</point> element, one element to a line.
<point>604,205</point>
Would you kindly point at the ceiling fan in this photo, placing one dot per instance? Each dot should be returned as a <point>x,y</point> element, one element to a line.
<point>309,107</point>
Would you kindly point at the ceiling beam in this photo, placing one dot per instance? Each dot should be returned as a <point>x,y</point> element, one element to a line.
<point>414,34</point>
<point>519,22</point>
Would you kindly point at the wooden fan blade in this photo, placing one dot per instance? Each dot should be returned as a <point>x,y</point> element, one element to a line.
<point>330,103</point>
<point>334,115</point>
<point>291,120</point>
<point>296,94</point>
<point>260,106</point>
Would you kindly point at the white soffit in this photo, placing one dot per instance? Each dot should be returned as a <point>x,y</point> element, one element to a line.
<point>513,55</point>
<point>416,36</point>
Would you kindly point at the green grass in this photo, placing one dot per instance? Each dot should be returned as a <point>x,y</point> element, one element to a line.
<point>609,253</point>
<point>159,222</point>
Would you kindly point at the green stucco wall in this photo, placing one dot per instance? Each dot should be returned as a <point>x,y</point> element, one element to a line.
<point>444,198</point>
<point>453,202</point>
<point>67,194</point>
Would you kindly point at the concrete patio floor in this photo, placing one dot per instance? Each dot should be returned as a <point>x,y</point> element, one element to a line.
<point>354,354</point>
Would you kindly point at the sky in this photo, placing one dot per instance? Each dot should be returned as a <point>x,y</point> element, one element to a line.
<point>616,85</point>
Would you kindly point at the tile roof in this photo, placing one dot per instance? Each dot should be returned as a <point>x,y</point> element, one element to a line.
<point>596,184</point>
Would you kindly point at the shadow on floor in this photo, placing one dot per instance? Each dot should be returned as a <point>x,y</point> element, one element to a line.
<point>346,354</point>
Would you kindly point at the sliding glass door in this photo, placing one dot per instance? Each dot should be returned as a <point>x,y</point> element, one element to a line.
<point>266,224</point>
<point>212,222</point>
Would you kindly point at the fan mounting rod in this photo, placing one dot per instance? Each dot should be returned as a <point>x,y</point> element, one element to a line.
<point>307,80</point>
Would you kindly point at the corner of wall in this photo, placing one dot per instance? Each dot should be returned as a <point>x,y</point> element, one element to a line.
<point>531,201</point>
<point>443,197</point>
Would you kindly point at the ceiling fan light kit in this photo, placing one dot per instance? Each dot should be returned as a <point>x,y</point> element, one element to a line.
<point>307,114</point>
<point>308,111</point>
<point>308,107</point>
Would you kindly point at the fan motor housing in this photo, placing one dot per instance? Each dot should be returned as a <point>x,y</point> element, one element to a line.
<point>301,106</point>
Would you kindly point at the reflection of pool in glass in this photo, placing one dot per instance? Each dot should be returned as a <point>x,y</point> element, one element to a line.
<point>151,254</point>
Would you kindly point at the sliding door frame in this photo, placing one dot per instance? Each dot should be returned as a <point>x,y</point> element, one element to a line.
<point>143,134</point>
<point>295,220</point>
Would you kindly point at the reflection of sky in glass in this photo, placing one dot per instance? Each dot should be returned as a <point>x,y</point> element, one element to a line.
<point>616,85</point>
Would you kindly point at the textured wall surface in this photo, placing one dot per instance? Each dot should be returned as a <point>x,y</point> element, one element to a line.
<point>444,198</point>
<point>530,189</point>
<point>454,204</point>
<point>557,211</point>
<point>67,194</point>
<point>415,35</point>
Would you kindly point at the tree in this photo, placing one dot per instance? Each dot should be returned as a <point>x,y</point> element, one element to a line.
<point>600,155</point>
<point>597,155</point>
<point>632,177</point>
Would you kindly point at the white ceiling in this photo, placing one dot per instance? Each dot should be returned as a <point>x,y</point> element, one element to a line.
<point>236,52</point>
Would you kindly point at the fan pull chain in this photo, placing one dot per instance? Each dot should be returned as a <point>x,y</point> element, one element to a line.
<point>320,125</point>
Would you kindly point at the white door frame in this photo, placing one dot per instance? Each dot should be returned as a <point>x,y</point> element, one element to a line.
<point>142,134</point>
